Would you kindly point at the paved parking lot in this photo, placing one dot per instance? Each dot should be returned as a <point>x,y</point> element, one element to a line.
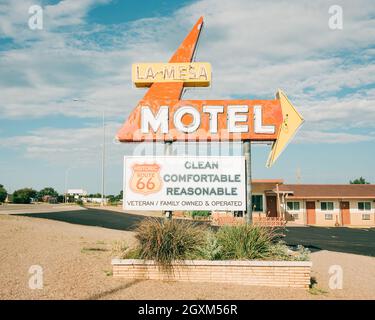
<point>348,240</point>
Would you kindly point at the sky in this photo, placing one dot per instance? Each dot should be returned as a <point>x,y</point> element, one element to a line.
<point>55,83</point>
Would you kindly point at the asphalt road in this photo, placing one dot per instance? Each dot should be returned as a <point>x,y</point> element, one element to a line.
<point>93,217</point>
<point>348,240</point>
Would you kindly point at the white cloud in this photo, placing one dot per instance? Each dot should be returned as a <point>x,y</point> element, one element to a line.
<point>66,13</point>
<point>312,136</point>
<point>75,146</point>
<point>355,111</point>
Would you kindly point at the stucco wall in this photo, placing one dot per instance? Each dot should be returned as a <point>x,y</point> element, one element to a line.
<point>301,217</point>
<point>356,215</point>
<point>320,214</point>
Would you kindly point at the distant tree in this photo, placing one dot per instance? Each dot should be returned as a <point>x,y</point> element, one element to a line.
<point>94,195</point>
<point>359,180</point>
<point>47,192</point>
<point>24,195</point>
<point>111,198</point>
<point>120,195</point>
<point>3,193</point>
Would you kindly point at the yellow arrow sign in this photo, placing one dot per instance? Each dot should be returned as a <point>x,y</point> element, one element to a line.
<point>292,121</point>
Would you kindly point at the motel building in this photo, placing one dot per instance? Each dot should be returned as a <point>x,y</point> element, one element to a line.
<point>276,203</point>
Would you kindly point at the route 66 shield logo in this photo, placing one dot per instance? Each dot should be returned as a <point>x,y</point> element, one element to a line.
<point>146,178</point>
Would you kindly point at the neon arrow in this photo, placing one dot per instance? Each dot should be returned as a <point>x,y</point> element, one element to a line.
<point>162,116</point>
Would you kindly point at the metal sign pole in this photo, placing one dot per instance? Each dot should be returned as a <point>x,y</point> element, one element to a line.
<point>168,152</point>
<point>249,205</point>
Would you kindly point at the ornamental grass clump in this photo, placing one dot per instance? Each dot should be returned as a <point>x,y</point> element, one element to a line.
<point>246,242</point>
<point>166,241</point>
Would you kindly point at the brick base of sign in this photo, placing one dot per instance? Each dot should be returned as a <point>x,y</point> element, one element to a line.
<point>227,218</point>
<point>295,274</point>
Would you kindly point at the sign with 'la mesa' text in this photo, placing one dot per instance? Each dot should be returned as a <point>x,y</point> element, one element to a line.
<point>184,183</point>
<point>192,74</point>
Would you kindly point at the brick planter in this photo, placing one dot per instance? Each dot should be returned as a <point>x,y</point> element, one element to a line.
<point>262,273</point>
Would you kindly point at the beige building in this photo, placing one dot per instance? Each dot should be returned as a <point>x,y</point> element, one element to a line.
<point>314,204</point>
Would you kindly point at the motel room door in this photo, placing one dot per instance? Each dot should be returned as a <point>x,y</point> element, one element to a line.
<point>310,212</point>
<point>271,206</point>
<point>345,213</point>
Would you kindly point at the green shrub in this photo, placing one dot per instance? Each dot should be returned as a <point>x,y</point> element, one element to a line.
<point>165,241</point>
<point>211,250</point>
<point>246,242</point>
<point>200,214</point>
<point>280,251</point>
<point>302,254</point>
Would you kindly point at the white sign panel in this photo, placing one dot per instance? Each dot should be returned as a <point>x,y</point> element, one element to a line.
<point>184,183</point>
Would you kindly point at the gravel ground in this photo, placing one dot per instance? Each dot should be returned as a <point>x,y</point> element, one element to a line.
<point>76,265</point>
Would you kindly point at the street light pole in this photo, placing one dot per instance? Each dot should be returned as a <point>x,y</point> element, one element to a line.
<point>103,160</point>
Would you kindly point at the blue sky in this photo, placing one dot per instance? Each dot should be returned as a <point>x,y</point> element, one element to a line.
<point>86,49</point>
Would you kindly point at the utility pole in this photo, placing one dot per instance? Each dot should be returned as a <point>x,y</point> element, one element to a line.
<point>249,204</point>
<point>298,175</point>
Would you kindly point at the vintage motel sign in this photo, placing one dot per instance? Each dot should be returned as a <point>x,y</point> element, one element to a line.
<point>162,116</point>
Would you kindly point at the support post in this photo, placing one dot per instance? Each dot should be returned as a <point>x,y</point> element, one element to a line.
<point>249,204</point>
<point>168,152</point>
<point>278,211</point>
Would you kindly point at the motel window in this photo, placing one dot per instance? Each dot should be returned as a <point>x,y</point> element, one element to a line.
<point>328,216</point>
<point>364,206</point>
<point>326,206</point>
<point>257,203</point>
<point>365,216</point>
<point>293,206</point>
